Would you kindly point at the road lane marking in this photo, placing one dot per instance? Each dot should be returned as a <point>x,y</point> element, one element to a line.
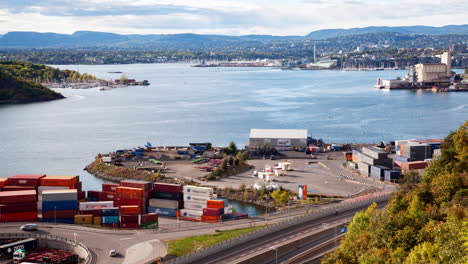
<point>127,238</point>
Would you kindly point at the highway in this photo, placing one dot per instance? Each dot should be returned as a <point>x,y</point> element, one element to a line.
<point>270,242</point>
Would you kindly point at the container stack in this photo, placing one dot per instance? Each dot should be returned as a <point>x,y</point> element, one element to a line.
<point>371,161</point>
<point>59,206</point>
<point>392,175</point>
<point>110,217</point>
<point>18,206</point>
<point>195,203</point>
<point>149,220</point>
<point>166,199</point>
<point>23,182</point>
<point>213,211</point>
<point>417,150</point>
<point>95,209</point>
<point>49,183</point>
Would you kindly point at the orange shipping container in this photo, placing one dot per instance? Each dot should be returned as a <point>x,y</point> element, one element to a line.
<point>215,204</point>
<point>210,219</point>
<point>3,182</point>
<point>69,181</point>
<point>129,193</point>
<point>130,210</point>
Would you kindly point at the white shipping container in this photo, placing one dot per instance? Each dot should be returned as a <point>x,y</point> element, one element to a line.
<point>200,191</point>
<point>162,203</point>
<point>41,189</point>
<point>196,198</point>
<point>191,213</point>
<point>59,195</point>
<point>194,205</point>
<point>91,205</point>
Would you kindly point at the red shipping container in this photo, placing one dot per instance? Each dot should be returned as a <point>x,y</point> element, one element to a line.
<point>19,217</point>
<point>109,187</point>
<point>167,187</point>
<point>413,165</point>
<point>81,195</point>
<point>78,186</point>
<point>211,212</point>
<point>130,209</point>
<point>215,204</point>
<point>18,188</point>
<point>18,207</point>
<point>70,181</point>
<point>107,196</point>
<point>136,184</point>
<point>149,218</point>
<point>93,194</point>
<point>25,179</point>
<point>129,193</point>
<point>111,225</point>
<point>123,201</point>
<point>3,182</point>
<point>129,225</point>
<point>59,214</point>
<point>210,219</point>
<point>128,219</point>
<point>18,197</point>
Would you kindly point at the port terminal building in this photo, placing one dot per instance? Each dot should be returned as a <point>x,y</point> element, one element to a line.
<point>278,138</point>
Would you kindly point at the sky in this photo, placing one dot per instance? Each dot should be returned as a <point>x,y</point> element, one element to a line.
<point>226,17</point>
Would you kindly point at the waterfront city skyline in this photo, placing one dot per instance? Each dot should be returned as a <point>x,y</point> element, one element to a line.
<point>298,17</point>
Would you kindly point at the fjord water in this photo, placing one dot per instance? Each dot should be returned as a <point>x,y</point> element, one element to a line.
<point>185,104</point>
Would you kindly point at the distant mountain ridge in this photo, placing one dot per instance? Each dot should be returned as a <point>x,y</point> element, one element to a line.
<point>21,40</point>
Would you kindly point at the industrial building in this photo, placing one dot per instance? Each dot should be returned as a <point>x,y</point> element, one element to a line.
<point>278,137</point>
<point>435,72</point>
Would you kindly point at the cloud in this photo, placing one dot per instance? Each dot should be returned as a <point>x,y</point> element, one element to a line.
<point>295,17</point>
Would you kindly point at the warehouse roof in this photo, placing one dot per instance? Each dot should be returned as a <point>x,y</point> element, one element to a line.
<point>278,133</point>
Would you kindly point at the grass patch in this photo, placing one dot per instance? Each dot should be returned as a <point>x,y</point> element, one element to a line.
<point>184,246</point>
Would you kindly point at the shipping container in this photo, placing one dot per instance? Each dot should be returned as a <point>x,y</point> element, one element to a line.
<point>10,188</point>
<point>25,179</point>
<point>392,175</point>
<point>18,207</point>
<point>191,213</point>
<point>129,193</point>
<point>26,196</point>
<point>149,218</point>
<point>107,196</point>
<point>195,198</point>
<point>41,189</point>
<point>377,172</point>
<point>199,191</point>
<point>134,219</point>
<point>110,219</point>
<point>167,195</point>
<point>129,225</point>
<point>194,205</point>
<point>375,153</point>
<point>371,161</point>
<point>215,204</point>
<point>70,220</point>
<point>149,225</point>
<point>78,186</point>
<point>210,219</point>
<point>110,211</point>
<point>355,155</point>
<point>123,201</point>
<point>60,195</point>
<point>19,217</point>
<point>164,203</point>
<point>97,220</point>
<point>59,205</point>
<point>93,194</point>
<point>28,244</point>
<point>213,211</point>
<point>167,187</point>
<point>59,213</point>
<point>417,152</point>
<point>81,196</point>
<point>145,185</point>
<point>84,219</point>
<point>400,158</point>
<point>413,165</point>
<point>109,187</point>
<point>162,211</point>
<point>130,210</point>
<point>364,168</point>
<point>95,205</point>
<point>59,181</point>
<point>228,217</point>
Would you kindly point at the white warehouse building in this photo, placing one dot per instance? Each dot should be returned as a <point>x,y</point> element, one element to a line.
<point>278,137</point>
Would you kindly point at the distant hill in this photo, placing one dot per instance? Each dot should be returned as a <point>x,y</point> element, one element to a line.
<point>332,33</point>
<point>16,90</point>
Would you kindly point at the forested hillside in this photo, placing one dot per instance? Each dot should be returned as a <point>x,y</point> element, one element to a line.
<point>425,222</point>
<point>16,90</point>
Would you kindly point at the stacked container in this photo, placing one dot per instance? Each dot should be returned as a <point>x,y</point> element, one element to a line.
<point>110,217</point>
<point>149,220</point>
<point>392,175</point>
<point>95,209</point>
<point>18,206</point>
<point>3,182</point>
<point>166,199</point>
<point>195,201</point>
<point>59,206</point>
<point>213,211</point>
<point>23,182</point>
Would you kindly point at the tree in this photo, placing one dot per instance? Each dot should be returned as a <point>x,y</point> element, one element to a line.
<point>280,196</point>
<point>424,253</point>
<point>123,79</point>
<point>231,149</point>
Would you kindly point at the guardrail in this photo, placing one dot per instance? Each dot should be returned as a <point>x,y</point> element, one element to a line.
<point>349,205</point>
<point>88,259</point>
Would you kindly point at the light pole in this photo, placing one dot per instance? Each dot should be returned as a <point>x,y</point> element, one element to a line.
<point>276,254</point>
<point>288,211</point>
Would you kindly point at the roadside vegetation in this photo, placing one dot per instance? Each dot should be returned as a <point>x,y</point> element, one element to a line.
<point>424,222</point>
<point>117,173</point>
<point>184,246</point>
<point>234,162</point>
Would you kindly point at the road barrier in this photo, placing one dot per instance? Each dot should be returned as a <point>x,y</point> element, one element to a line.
<point>58,242</point>
<point>293,221</point>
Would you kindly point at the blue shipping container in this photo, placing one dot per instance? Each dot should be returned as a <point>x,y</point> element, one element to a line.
<point>59,205</point>
<point>229,217</point>
<point>226,201</point>
<point>59,220</point>
<point>392,175</point>
<point>180,152</point>
<point>110,212</point>
<point>110,219</point>
<point>162,211</point>
<point>200,148</point>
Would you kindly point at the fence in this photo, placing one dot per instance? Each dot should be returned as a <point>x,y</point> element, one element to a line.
<point>60,243</point>
<point>297,220</point>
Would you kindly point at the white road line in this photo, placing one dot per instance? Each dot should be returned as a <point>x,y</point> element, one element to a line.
<point>127,238</point>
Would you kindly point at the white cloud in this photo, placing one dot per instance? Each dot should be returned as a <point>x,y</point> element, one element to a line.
<point>297,17</point>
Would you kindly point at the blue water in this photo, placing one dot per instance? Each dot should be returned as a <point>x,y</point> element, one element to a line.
<point>185,104</point>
